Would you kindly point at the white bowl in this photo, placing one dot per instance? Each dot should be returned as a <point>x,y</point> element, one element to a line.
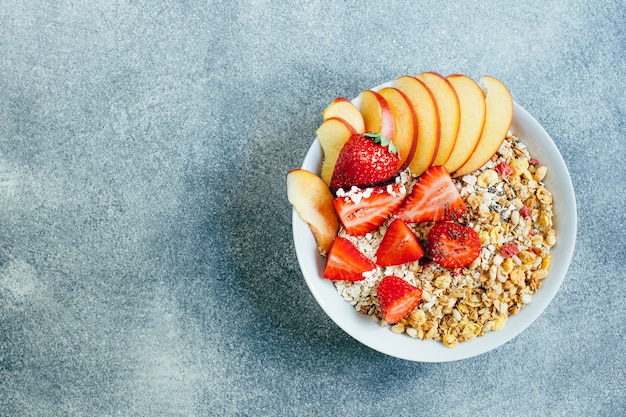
<point>365,330</point>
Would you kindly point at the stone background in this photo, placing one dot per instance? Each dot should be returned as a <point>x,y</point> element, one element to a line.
<point>147,266</point>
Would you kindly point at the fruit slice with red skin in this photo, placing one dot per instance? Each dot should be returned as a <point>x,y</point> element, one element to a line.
<point>472,119</point>
<point>498,118</point>
<point>449,112</point>
<point>345,262</point>
<point>397,298</point>
<point>376,114</point>
<point>374,207</point>
<point>428,128</point>
<point>343,108</point>
<point>453,245</point>
<point>332,134</point>
<point>433,198</point>
<point>313,202</point>
<point>405,122</point>
<point>399,245</point>
<point>366,159</point>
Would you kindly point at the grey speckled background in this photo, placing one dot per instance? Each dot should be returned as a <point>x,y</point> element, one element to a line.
<point>146,261</point>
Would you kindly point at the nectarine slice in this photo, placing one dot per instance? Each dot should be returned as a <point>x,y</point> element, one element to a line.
<point>332,134</point>
<point>405,135</point>
<point>376,114</point>
<point>448,106</point>
<point>472,105</point>
<point>427,115</point>
<point>313,201</point>
<point>498,118</point>
<point>343,108</point>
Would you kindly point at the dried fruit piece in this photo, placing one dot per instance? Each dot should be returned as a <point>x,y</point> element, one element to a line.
<point>509,249</point>
<point>504,170</point>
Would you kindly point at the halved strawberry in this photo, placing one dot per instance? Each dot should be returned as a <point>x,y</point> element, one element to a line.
<point>365,159</point>
<point>434,198</point>
<point>399,245</point>
<point>452,245</point>
<point>345,262</point>
<point>373,206</point>
<point>397,298</point>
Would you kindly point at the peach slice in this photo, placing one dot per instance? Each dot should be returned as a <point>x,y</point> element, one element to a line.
<point>332,134</point>
<point>343,108</point>
<point>405,122</point>
<point>472,104</point>
<point>376,114</point>
<point>313,202</point>
<point>498,118</point>
<point>427,115</point>
<point>449,112</point>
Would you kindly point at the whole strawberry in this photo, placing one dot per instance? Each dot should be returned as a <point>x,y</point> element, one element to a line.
<point>366,159</point>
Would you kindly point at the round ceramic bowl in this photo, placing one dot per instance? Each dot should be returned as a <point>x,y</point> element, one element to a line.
<point>362,328</point>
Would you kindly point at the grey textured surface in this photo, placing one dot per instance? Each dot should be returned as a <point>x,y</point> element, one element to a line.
<point>146,260</point>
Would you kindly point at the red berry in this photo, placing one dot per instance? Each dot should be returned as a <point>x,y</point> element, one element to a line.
<point>345,262</point>
<point>365,160</point>
<point>371,211</point>
<point>452,245</point>
<point>433,198</point>
<point>399,245</point>
<point>397,298</point>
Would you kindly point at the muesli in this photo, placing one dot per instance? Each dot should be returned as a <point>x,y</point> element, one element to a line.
<point>511,209</point>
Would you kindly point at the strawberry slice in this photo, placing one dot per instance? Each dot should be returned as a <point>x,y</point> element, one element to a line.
<point>434,198</point>
<point>452,245</point>
<point>364,210</point>
<point>397,298</point>
<point>345,262</point>
<point>399,245</point>
<point>365,159</point>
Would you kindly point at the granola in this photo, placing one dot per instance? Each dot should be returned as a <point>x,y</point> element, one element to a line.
<point>510,208</point>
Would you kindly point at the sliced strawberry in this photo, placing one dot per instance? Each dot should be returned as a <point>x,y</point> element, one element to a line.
<point>397,298</point>
<point>399,245</point>
<point>434,198</point>
<point>345,262</point>
<point>373,206</point>
<point>452,245</point>
<point>365,159</point>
